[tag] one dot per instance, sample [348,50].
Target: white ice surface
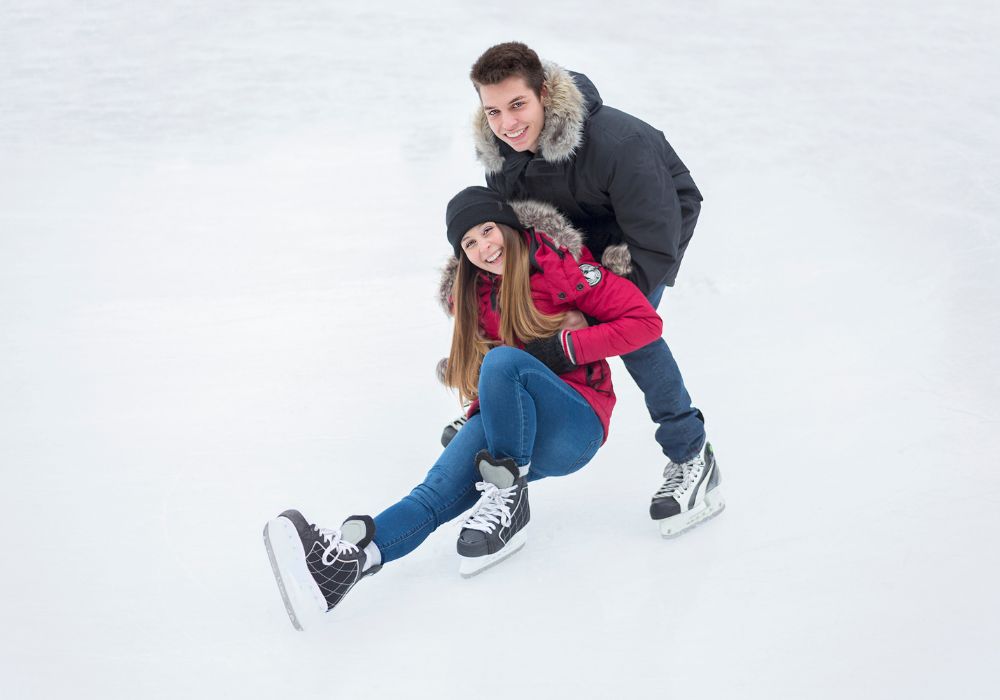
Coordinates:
[220,228]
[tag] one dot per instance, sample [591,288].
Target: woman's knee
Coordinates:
[503,361]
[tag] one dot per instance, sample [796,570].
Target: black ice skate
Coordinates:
[689,495]
[497,525]
[316,568]
[451,430]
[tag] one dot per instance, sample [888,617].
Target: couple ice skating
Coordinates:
[558,264]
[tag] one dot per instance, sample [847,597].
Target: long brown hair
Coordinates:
[520,321]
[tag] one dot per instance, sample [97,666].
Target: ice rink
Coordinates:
[221,226]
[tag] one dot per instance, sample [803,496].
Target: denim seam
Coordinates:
[564,388]
[591,451]
[520,391]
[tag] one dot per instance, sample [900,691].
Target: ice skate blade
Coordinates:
[470,566]
[677,525]
[303,599]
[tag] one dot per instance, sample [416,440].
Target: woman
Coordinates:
[540,403]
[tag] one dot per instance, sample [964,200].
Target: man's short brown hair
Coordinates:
[505,60]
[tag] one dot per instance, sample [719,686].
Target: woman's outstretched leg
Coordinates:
[315,567]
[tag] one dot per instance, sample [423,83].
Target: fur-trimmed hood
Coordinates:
[571,99]
[531,214]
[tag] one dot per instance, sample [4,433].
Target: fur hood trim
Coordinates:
[565,115]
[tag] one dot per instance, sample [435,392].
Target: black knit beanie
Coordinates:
[473,206]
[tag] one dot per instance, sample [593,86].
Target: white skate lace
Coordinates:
[677,478]
[335,542]
[493,507]
[673,477]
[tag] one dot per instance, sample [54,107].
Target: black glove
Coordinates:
[551,353]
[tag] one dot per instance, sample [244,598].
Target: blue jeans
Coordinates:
[681,431]
[526,413]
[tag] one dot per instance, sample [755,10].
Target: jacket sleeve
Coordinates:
[647,210]
[628,321]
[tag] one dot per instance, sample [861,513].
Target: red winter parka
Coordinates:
[561,283]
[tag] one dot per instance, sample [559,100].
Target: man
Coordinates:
[543,133]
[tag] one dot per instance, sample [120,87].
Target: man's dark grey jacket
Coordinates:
[613,175]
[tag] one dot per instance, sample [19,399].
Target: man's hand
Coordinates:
[574,321]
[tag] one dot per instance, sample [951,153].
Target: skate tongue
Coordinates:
[358,530]
[502,473]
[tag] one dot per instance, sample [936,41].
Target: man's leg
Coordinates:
[689,494]
[681,428]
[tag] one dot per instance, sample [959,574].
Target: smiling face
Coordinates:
[514,112]
[483,246]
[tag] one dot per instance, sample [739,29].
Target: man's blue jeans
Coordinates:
[526,413]
[681,431]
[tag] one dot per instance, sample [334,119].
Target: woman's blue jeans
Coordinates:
[526,413]
[681,431]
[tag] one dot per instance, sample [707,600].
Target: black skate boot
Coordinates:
[689,495]
[497,525]
[451,430]
[316,568]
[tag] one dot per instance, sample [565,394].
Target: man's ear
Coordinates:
[545,94]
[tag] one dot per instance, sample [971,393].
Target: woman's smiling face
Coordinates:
[483,246]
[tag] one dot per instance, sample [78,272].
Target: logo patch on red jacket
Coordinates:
[591,273]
